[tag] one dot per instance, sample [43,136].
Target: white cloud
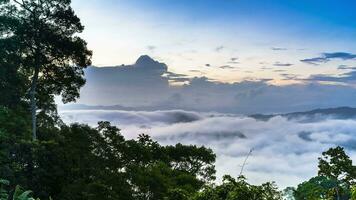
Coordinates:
[284,150]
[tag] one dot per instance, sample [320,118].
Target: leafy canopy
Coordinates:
[42,35]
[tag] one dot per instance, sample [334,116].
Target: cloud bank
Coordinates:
[285,148]
[149,85]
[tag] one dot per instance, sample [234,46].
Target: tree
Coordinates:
[239,189]
[335,177]
[288,193]
[40,38]
[99,163]
[12,80]
[316,188]
[336,165]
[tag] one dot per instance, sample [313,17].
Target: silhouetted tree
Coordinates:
[39,38]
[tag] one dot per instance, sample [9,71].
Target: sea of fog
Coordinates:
[284,150]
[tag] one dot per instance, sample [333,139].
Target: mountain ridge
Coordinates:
[343,112]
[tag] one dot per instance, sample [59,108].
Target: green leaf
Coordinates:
[4,182]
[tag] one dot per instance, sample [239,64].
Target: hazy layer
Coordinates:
[284,150]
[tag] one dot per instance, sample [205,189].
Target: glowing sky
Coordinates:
[225,40]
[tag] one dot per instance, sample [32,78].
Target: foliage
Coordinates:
[336,164]
[39,42]
[92,163]
[18,194]
[336,175]
[236,189]
[288,193]
[314,189]
[43,34]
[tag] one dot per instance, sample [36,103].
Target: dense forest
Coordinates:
[41,57]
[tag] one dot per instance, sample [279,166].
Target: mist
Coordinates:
[285,149]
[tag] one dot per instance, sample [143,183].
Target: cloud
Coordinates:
[341,67]
[148,84]
[285,149]
[266,68]
[287,76]
[340,55]
[326,57]
[314,61]
[176,77]
[226,67]
[219,48]
[349,77]
[151,47]
[233,60]
[279,70]
[132,117]
[278,49]
[197,71]
[279,64]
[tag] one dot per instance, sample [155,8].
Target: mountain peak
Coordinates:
[145,59]
[146,62]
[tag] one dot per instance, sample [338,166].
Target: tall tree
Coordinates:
[41,36]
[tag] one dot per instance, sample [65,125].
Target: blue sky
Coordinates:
[328,12]
[201,37]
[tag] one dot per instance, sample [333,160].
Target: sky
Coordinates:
[193,71]
[224,40]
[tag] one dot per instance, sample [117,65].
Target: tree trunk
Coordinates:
[33,103]
[337,193]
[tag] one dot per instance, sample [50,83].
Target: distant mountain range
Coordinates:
[94,107]
[316,114]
